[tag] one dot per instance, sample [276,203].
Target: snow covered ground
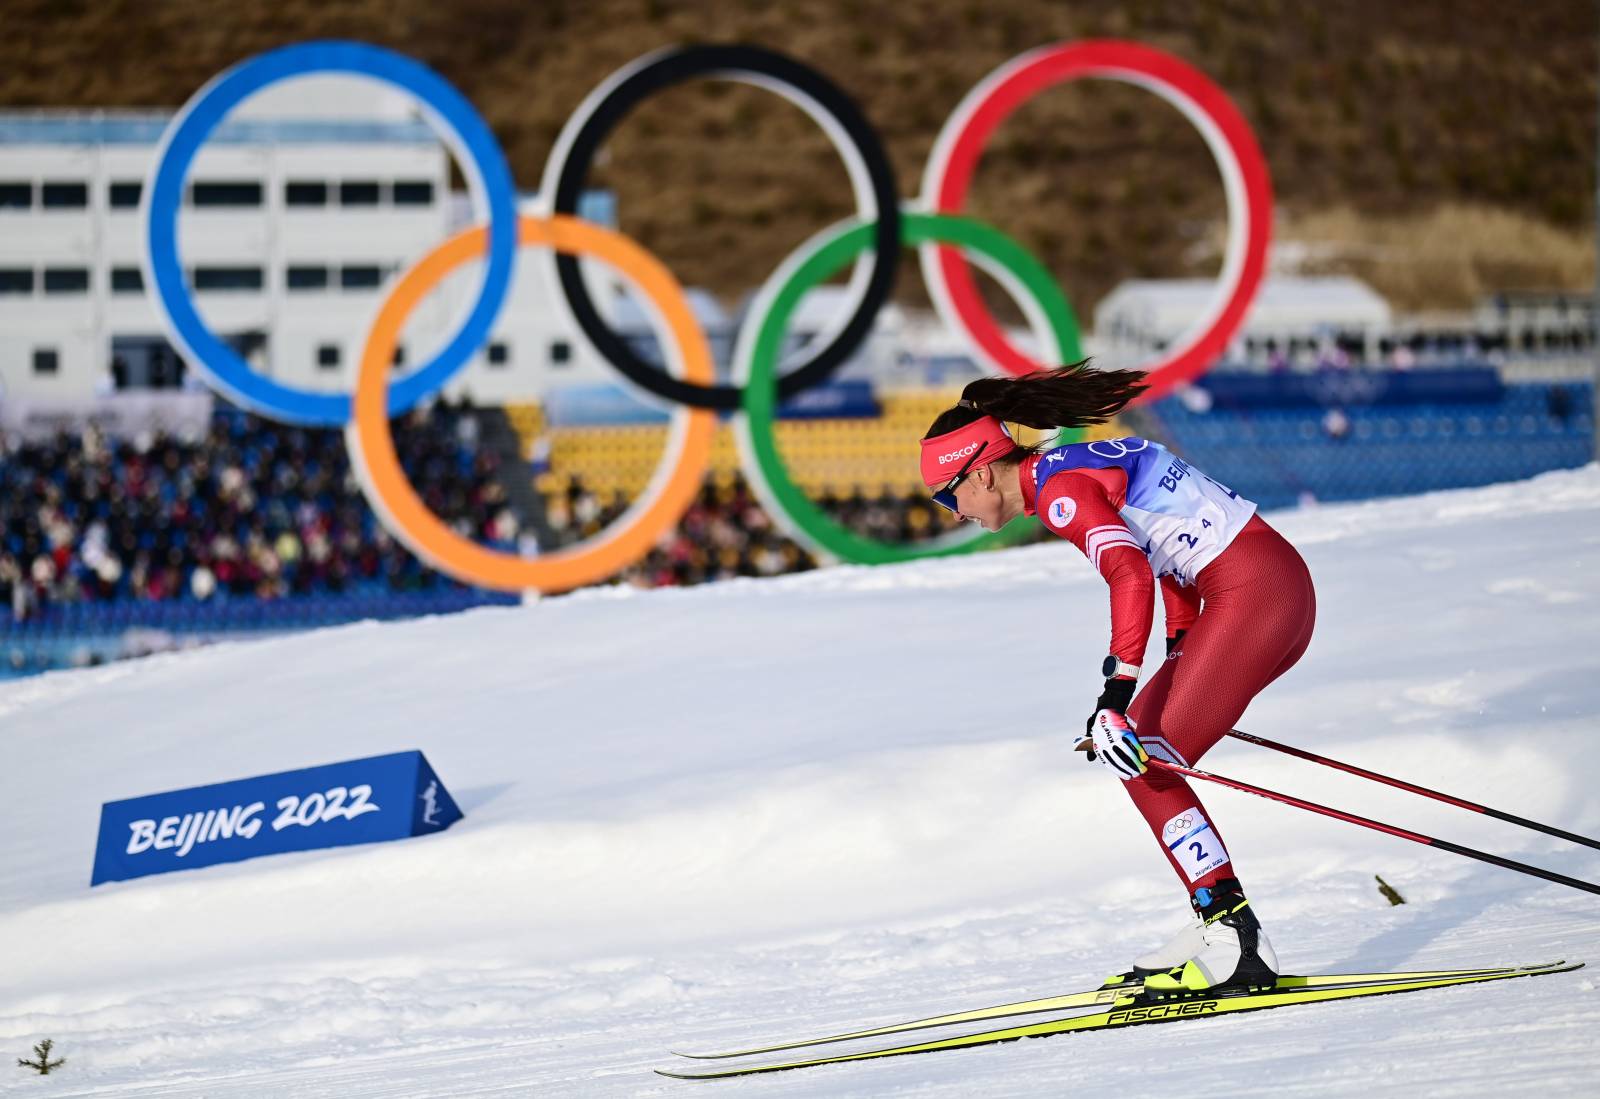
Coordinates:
[764,809]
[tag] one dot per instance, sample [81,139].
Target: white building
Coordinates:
[298,210]
[1143,316]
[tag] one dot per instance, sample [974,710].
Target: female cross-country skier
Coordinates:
[1239,610]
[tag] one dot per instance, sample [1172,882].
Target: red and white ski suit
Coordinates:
[1248,616]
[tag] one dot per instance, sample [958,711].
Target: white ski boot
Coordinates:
[1185,943]
[1234,952]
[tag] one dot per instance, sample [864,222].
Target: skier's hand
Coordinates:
[1116,745]
[1116,696]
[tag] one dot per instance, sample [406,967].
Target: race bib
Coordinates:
[1194,843]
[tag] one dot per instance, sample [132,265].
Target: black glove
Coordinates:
[1175,640]
[1116,696]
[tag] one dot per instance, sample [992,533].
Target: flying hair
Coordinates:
[1076,395]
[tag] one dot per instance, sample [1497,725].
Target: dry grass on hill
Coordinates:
[1465,128]
[1447,257]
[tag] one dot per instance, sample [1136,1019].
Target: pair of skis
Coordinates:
[1128,1006]
[1131,1006]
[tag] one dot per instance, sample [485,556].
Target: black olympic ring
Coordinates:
[673,67]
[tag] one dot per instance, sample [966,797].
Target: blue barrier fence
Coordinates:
[1284,451]
[77,634]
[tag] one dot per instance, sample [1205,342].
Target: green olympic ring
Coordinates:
[756,369]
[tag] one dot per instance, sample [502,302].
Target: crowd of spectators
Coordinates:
[726,532]
[252,509]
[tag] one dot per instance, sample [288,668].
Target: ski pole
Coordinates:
[1378,826]
[1301,753]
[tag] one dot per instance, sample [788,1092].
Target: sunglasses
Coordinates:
[946,496]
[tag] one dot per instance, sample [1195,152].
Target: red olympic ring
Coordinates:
[1244,174]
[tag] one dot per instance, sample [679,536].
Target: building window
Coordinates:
[66,280]
[304,192]
[328,356]
[15,195]
[413,192]
[499,354]
[360,278]
[46,360]
[225,194]
[358,193]
[125,195]
[307,278]
[227,278]
[126,280]
[560,352]
[64,196]
[16,280]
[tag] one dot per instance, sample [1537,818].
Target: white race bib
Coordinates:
[1194,843]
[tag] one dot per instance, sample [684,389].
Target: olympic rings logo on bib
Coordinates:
[1117,448]
[947,243]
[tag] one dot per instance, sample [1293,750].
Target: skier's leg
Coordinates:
[1255,624]
[1177,818]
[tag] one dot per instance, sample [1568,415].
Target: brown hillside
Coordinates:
[1374,115]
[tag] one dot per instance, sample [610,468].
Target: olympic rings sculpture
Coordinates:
[947,243]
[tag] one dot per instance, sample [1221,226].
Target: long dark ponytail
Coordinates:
[1076,395]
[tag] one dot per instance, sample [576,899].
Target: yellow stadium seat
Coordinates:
[838,456]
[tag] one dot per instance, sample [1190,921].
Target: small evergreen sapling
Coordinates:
[43,1064]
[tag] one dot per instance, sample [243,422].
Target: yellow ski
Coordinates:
[1132,1011]
[1094,998]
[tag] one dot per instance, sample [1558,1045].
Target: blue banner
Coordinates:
[1354,388]
[360,801]
[611,405]
[833,401]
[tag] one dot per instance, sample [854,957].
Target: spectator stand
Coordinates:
[114,546]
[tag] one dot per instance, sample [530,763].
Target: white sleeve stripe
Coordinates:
[1098,544]
[1095,557]
[1107,536]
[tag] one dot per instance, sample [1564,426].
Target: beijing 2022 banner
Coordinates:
[359,801]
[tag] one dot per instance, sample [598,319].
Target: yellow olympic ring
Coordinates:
[670,491]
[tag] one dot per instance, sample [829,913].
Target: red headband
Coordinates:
[944,455]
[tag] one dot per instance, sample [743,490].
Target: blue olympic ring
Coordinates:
[469,138]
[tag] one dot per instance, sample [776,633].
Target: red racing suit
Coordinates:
[1248,613]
